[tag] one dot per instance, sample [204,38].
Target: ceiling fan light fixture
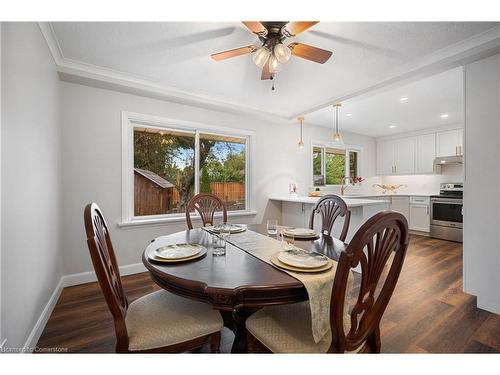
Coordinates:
[274,65]
[282,53]
[260,56]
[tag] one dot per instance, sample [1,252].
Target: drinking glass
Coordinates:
[219,245]
[287,242]
[225,230]
[220,240]
[272,227]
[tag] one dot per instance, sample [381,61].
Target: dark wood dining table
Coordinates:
[237,284]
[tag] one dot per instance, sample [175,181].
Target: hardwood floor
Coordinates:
[428,313]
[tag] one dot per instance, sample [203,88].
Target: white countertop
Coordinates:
[351,202]
[388,195]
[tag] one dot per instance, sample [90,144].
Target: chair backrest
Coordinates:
[383,235]
[330,207]
[206,205]
[106,269]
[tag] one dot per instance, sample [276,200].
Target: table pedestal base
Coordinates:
[235,321]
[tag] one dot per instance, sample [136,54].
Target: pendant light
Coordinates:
[337,138]
[301,141]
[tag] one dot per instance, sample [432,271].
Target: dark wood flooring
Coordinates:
[428,313]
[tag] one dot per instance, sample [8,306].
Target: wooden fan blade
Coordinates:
[266,74]
[255,27]
[295,28]
[232,53]
[310,53]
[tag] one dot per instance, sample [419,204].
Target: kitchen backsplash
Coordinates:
[426,184]
[416,184]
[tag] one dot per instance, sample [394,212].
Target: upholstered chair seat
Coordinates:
[162,319]
[287,329]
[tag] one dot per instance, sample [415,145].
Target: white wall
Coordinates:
[92,160]
[31,180]
[482,183]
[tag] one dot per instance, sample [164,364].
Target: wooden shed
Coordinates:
[152,193]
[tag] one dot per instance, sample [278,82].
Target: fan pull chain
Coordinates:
[273,80]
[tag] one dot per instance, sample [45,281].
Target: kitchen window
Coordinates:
[330,165]
[167,162]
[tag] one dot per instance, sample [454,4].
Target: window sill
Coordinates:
[176,219]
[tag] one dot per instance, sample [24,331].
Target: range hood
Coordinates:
[448,160]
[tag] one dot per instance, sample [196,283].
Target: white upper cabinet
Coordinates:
[416,154]
[385,157]
[404,156]
[396,156]
[425,152]
[449,142]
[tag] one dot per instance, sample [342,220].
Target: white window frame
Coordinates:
[347,148]
[131,120]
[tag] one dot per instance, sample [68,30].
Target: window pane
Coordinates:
[163,171]
[334,166]
[222,169]
[353,164]
[317,175]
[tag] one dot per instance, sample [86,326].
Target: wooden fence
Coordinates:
[227,191]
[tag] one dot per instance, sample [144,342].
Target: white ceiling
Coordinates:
[428,99]
[176,56]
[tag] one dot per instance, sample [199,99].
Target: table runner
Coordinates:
[318,285]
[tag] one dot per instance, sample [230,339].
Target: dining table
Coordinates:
[237,283]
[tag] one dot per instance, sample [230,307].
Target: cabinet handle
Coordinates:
[460,149]
[456,150]
[427,210]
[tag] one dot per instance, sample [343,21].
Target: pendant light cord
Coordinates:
[336,119]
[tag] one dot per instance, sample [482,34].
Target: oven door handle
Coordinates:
[449,201]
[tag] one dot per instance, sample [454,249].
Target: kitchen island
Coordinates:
[296,211]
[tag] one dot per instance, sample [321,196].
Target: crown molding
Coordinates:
[91,75]
[477,47]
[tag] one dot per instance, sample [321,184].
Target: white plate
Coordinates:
[235,228]
[300,232]
[178,251]
[302,259]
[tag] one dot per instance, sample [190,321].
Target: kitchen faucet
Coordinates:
[344,185]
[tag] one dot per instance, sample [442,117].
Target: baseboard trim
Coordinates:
[419,233]
[88,277]
[36,332]
[65,281]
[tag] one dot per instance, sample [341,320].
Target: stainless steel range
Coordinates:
[447,212]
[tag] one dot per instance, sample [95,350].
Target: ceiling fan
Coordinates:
[272,54]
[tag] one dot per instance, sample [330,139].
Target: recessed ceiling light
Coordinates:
[444,115]
[392,126]
[403,99]
[348,115]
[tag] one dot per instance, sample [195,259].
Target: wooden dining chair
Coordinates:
[157,322]
[330,207]
[379,248]
[206,205]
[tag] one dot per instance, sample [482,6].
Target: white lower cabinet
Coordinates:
[419,214]
[401,205]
